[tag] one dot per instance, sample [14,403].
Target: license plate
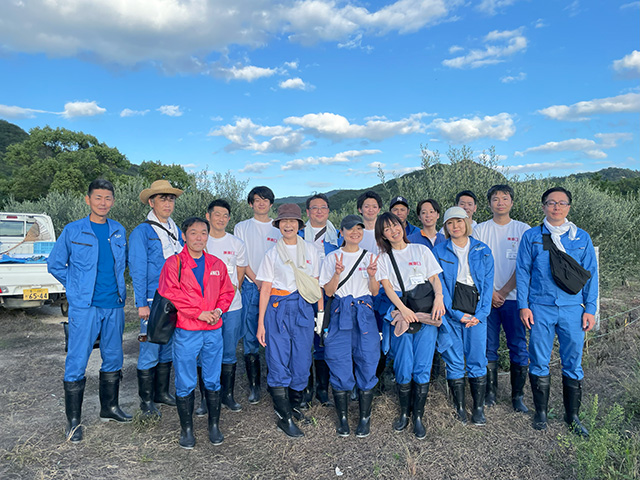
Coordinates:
[35,294]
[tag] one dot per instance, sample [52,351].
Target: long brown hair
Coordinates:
[387,218]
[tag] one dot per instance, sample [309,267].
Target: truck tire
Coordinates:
[64,308]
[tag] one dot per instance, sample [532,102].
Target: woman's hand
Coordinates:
[260,335]
[469,320]
[339,265]
[438,309]
[372,269]
[409,315]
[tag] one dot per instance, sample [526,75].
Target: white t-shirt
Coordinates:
[504,241]
[258,237]
[358,284]
[415,262]
[369,241]
[274,270]
[464,273]
[231,251]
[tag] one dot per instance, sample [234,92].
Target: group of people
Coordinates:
[331,306]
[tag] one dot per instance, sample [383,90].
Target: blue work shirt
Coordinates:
[422,240]
[411,229]
[105,294]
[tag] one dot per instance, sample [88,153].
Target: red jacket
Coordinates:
[186,295]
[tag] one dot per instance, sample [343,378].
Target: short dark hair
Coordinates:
[101,184]
[262,192]
[320,196]
[466,193]
[556,189]
[161,195]
[499,188]
[434,204]
[219,202]
[381,223]
[368,194]
[192,220]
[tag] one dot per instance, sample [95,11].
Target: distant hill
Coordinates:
[9,134]
[611,174]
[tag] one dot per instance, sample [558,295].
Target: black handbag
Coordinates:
[568,274]
[465,298]
[163,316]
[419,299]
[329,300]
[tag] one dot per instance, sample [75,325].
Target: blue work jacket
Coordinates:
[411,229]
[74,260]
[145,262]
[417,237]
[533,271]
[328,247]
[481,268]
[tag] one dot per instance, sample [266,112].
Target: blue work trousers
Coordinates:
[231,333]
[288,325]
[352,343]
[250,303]
[507,316]
[414,354]
[468,344]
[84,326]
[566,322]
[188,345]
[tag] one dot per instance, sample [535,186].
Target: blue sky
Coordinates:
[313,95]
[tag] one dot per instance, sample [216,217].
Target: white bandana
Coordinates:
[556,232]
[169,245]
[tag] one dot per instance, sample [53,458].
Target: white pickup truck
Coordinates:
[24,279]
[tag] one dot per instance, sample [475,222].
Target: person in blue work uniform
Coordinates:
[352,338]
[89,259]
[289,274]
[547,310]
[323,235]
[428,212]
[150,243]
[399,206]
[413,352]
[467,281]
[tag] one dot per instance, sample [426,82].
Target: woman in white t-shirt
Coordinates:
[413,352]
[352,342]
[286,319]
[467,282]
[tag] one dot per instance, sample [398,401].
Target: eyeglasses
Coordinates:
[318,209]
[551,204]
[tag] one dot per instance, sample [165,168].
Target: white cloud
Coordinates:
[627,103]
[630,5]
[540,167]
[573,8]
[342,157]
[189,165]
[609,140]
[256,167]
[540,23]
[337,127]
[244,134]
[355,42]
[629,64]
[127,112]
[319,184]
[82,109]
[248,73]
[490,7]
[499,45]
[295,84]
[291,65]
[589,148]
[13,111]
[497,127]
[514,78]
[170,110]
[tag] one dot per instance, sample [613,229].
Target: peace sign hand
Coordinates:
[373,266]
[339,264]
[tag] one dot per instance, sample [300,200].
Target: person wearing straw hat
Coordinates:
[289,275]
[89,259]
[150,244]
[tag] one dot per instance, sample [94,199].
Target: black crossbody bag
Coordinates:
[568,274]
[163,316]
[465,298]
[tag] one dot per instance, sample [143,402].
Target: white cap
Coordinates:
[454,212]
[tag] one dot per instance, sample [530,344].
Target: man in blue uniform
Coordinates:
[89,259]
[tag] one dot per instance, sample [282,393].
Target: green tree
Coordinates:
[152,171]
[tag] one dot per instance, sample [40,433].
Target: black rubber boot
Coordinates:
[282,407]
[322,383]
[109,389]
[161,387]
[420,392]
[341,399]
[380,387]
[213,405]
[364,424]
[308,390]
[572,397]
[478,387]
[185,412]
[456,386]
[252,363]
[73,395]
[435,366]
[227,384]
[518,379]
[540,388]
[298,405]
[404,398]
[202,409]
[145,390]
[492,384]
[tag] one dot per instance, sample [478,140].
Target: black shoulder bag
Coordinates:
[157,224]
[419,299]
[568,274]
[329,301]
[163,316]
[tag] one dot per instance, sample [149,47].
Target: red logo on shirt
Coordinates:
[513,239]
[414,264]
[308,262]
[269,239]
[229,252]
[215,272]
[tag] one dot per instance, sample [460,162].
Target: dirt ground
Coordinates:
[32,443]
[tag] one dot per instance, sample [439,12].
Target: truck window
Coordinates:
[11,228]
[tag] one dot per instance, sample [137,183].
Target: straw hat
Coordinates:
[159,187]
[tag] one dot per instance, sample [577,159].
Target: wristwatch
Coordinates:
[219,310]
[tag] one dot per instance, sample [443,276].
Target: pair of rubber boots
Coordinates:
[412,398]
[185,407]
[109,407]
[321,384]
[341,399]
[518,379]
[287,404]
[478,387]
[153,388]
[227,385]
[572,399]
